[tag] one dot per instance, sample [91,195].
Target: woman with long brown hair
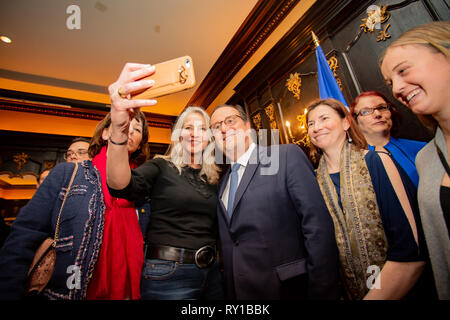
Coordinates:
[373,216]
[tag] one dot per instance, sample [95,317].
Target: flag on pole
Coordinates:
[328,87]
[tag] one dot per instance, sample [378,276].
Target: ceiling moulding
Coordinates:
[20,76]
[259,24]
[66,110]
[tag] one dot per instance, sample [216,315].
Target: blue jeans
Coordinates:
[169,280]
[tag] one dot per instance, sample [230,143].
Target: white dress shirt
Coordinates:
[243,161]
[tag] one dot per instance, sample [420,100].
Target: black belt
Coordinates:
[202,257]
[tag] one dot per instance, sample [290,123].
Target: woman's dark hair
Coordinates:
[139,156]
[395,114]
[353,131]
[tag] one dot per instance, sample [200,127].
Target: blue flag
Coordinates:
[328,87]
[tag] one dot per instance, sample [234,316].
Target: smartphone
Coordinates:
[170,76]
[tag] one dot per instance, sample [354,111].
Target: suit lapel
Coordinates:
[222,186]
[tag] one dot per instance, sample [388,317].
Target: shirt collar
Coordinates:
[243,160]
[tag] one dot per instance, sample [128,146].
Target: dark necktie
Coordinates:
[233,186]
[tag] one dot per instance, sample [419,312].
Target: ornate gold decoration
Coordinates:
[270,112]
[20,159]
[49,164]
[333,63]
[293,84]
[375,17]
[305,138]
[257,121]
[383,35]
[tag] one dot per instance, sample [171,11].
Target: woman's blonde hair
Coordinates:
[434,35]
[175,151]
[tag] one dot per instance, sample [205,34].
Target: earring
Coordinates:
[349,139]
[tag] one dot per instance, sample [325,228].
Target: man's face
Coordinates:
[77,152]
[230,132]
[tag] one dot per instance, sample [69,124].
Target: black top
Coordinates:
[183,207]
[445,205]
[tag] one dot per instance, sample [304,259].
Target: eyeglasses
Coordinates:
[78,153]
[368,111]
[228,121]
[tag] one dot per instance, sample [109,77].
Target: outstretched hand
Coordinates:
[129,81]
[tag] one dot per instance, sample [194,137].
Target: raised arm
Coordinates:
[122,112]
[397,278]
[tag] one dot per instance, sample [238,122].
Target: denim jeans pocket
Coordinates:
[156,269]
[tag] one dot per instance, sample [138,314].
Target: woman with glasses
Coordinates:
[379,121]
[417,68]
[373,212]
[99,252]
[181,247]
[78,150]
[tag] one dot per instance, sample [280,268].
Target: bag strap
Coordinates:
[64,201]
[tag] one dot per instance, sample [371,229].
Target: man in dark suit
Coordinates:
[276,233]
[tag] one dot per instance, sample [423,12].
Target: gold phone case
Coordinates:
[170,76]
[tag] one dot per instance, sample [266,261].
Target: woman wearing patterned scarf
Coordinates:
[372,211]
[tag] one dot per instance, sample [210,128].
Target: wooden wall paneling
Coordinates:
[43,150]
[290,105]
[10,208]
[438,9]
[292,48]
[252,103]
[336,23]
[364,54]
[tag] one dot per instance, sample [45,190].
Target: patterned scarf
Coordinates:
[358,228]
